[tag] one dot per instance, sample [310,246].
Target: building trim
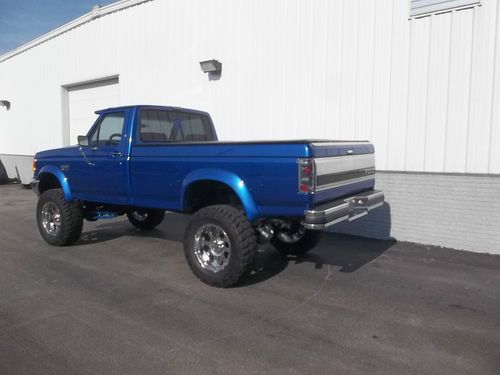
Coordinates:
[439,6]
[90,16]
[113,77]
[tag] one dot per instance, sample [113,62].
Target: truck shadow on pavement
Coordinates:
[172,229]
[347,253]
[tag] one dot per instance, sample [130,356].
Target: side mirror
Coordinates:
[83,140]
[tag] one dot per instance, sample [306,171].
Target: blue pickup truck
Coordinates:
[140,161]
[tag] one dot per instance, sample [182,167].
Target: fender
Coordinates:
[228,178]
[63,180]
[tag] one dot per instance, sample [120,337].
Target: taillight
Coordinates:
[306,175]
[33,166]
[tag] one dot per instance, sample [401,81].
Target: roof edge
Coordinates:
[93,14]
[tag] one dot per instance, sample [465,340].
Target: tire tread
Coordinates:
[246,236]
[71,216]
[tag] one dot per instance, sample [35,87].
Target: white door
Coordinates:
[85,99]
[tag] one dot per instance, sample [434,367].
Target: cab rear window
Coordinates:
[174,126]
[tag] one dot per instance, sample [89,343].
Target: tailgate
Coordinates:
[343,168]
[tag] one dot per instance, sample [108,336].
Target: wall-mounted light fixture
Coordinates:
[5,103]
[211,66]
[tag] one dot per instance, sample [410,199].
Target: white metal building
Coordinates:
[419,78]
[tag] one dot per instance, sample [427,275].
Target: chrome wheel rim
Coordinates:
[212,248]
[138,216]
[51,218]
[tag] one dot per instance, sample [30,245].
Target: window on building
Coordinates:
[421,7]
[174,126]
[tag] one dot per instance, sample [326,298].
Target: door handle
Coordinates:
[116,154]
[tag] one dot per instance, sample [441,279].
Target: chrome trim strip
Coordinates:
[327,211]
[352,218]
[326,225]
[336,164]
[376,205]
[347,182]
[375,195]
[331,178]
[342,143]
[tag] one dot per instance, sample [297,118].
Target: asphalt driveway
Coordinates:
[122,301]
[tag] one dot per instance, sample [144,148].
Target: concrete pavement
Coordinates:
[122,301]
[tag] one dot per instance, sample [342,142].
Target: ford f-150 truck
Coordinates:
[140,161]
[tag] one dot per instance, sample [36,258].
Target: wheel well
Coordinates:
[206,193]
[47,181]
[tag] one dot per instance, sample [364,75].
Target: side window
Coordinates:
[195,130]
[109,131]
[155,126]
[174,126]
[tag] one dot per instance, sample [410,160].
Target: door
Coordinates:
[108,167]
[85,99]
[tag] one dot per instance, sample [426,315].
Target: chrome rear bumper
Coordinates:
[350,208]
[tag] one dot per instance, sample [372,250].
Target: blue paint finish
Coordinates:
[236,183]
[108,177]
[263,174]
[63,181]
[254,149]
[158,175]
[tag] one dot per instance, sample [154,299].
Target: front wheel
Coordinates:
[146,219]
[220,245]
[59,222]
[296,240]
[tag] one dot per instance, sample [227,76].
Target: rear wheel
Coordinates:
[146,219]
[295,239]
[220,245]
[59,222]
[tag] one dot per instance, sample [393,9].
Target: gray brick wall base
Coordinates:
[457,211]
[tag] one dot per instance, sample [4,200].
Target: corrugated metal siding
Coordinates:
[419,7]
[425,90]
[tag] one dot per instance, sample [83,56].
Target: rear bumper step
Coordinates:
[350,208]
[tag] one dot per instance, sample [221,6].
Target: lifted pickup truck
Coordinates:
[140,161]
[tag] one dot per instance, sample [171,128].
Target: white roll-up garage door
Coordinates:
[87,98]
